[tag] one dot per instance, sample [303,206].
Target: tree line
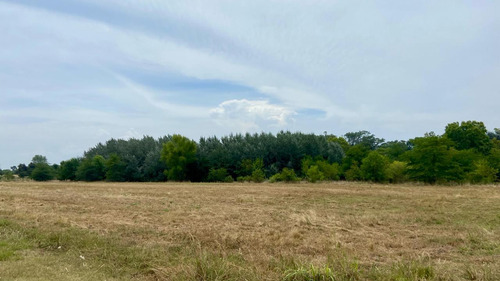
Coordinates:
[465,153]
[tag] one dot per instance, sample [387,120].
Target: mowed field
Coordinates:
[243,231]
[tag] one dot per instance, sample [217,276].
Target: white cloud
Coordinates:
[251,115]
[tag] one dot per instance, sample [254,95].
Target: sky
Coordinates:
[74,73]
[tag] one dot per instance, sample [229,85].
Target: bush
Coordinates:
[258,176]
[313,174]
[218,175]
[322,170]
[353,174]
[7,175]
[482,173]
[286,175]
[396,172]
[42,172]
[374,167]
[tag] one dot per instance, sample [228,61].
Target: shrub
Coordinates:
[353,174]
[374,167]
[396,172]
[7,175]
[258,175]
[42,172]
[286,175]
[482,173]
[313,174]
[219,175]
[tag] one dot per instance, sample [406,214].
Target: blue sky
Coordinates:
[77,72]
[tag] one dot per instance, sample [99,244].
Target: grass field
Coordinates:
[176,231]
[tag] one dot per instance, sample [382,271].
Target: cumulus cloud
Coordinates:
[251,115]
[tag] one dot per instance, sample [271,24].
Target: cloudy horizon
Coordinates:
[78,72]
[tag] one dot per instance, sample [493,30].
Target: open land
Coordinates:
[243,231]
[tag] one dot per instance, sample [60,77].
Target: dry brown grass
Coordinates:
[456,230]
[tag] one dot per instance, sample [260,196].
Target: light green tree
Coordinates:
[374,167]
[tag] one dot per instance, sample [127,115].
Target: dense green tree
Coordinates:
[314,174]
[469,135]
[394,149]
[92,169]
[67,169]
[353,173]
[286,175]
[374,167]
[39,159]
[219,175]
[494,160]
[115,168]
[340,141]
[363,138]
[178,154]
[354,156]
[430,160]
[495,134]
[42,172]
[396,172]
[482,173]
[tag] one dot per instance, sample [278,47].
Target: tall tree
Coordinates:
[115,168]
[178,154]
[469,135]
[430,160]
[91,169]
[67,170]
[374,167]
[364,138]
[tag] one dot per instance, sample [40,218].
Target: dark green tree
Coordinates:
[394,149]
[363,138]
[67,169]
[115,168]
[179,154]
[430,160]
[91,169]
[42,172]
[469,135]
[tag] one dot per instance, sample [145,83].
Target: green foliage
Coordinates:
[482,173]
[178,154]
[353,173]
[42,172]
[311,273]
[286,175]
[313,174]
[374,167]
[141,156]
[340,141]
[364,138]
[469,135]
[430,160]
[258,175]
[396,172]
[322,170]
[67,169]
[92,169]
[494,160]
[252,170]
[394,149]
[7,175]
[218,175]
[115,168]
[39,159]
[354,156]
